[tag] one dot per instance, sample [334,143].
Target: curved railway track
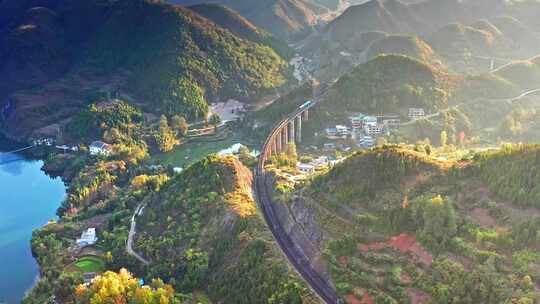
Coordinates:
[294,254]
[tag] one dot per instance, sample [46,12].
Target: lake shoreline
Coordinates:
[32,200]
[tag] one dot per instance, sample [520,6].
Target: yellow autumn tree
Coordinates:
[122,287]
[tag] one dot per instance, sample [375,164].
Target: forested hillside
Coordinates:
[390,84]
[204,230]
[401,227]
[167,59]
[286,19]
[200,230]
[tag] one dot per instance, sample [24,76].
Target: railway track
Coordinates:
[322,287]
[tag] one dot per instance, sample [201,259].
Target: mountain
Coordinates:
[368,17]
[164,58]
[399,226]
[400,44]
[240,26]
[425,17]
[286,19]
[390,84]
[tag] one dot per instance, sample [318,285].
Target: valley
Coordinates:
[298,151]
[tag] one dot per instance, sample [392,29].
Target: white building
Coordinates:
[357,120]
[416,113]
[88,238]
[373,129]
[305,168]
[366,142]
[99,148]
[342,130]
[331,132]
[370,120]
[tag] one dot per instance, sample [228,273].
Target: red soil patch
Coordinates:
[403,243]
[366,299]
[343,260]
[482,216]
[351,299]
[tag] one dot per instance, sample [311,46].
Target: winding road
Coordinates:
[510,100]
[132,230]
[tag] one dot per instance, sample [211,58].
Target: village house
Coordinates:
[416,113]
[366,142]
[369,120]
[392,123]
[305,168]
[373,129]
[329,146]
[338,131]
[320,162]
[88,238]
[357,120]
[331,132]
[99,148]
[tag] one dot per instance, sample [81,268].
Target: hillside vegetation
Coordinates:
[390,84]
[525,73]
[286,19]
[203,229]
[401,227]
[166,58]
[404,45]
[200,230]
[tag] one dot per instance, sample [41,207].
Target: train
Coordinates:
[306,104]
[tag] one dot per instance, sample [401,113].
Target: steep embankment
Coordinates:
[400,227]
[166,58]
[203,229]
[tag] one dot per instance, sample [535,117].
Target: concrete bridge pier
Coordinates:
[279,142]
[298,131]
[305,115]
[284,137]
[292,130]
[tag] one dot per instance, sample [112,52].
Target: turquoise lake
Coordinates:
[28,200]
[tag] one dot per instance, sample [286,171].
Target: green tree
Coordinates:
[165,137]
[444,138]
[214,120]
[439,222]
[291,153]
[179,125]
[186,98]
